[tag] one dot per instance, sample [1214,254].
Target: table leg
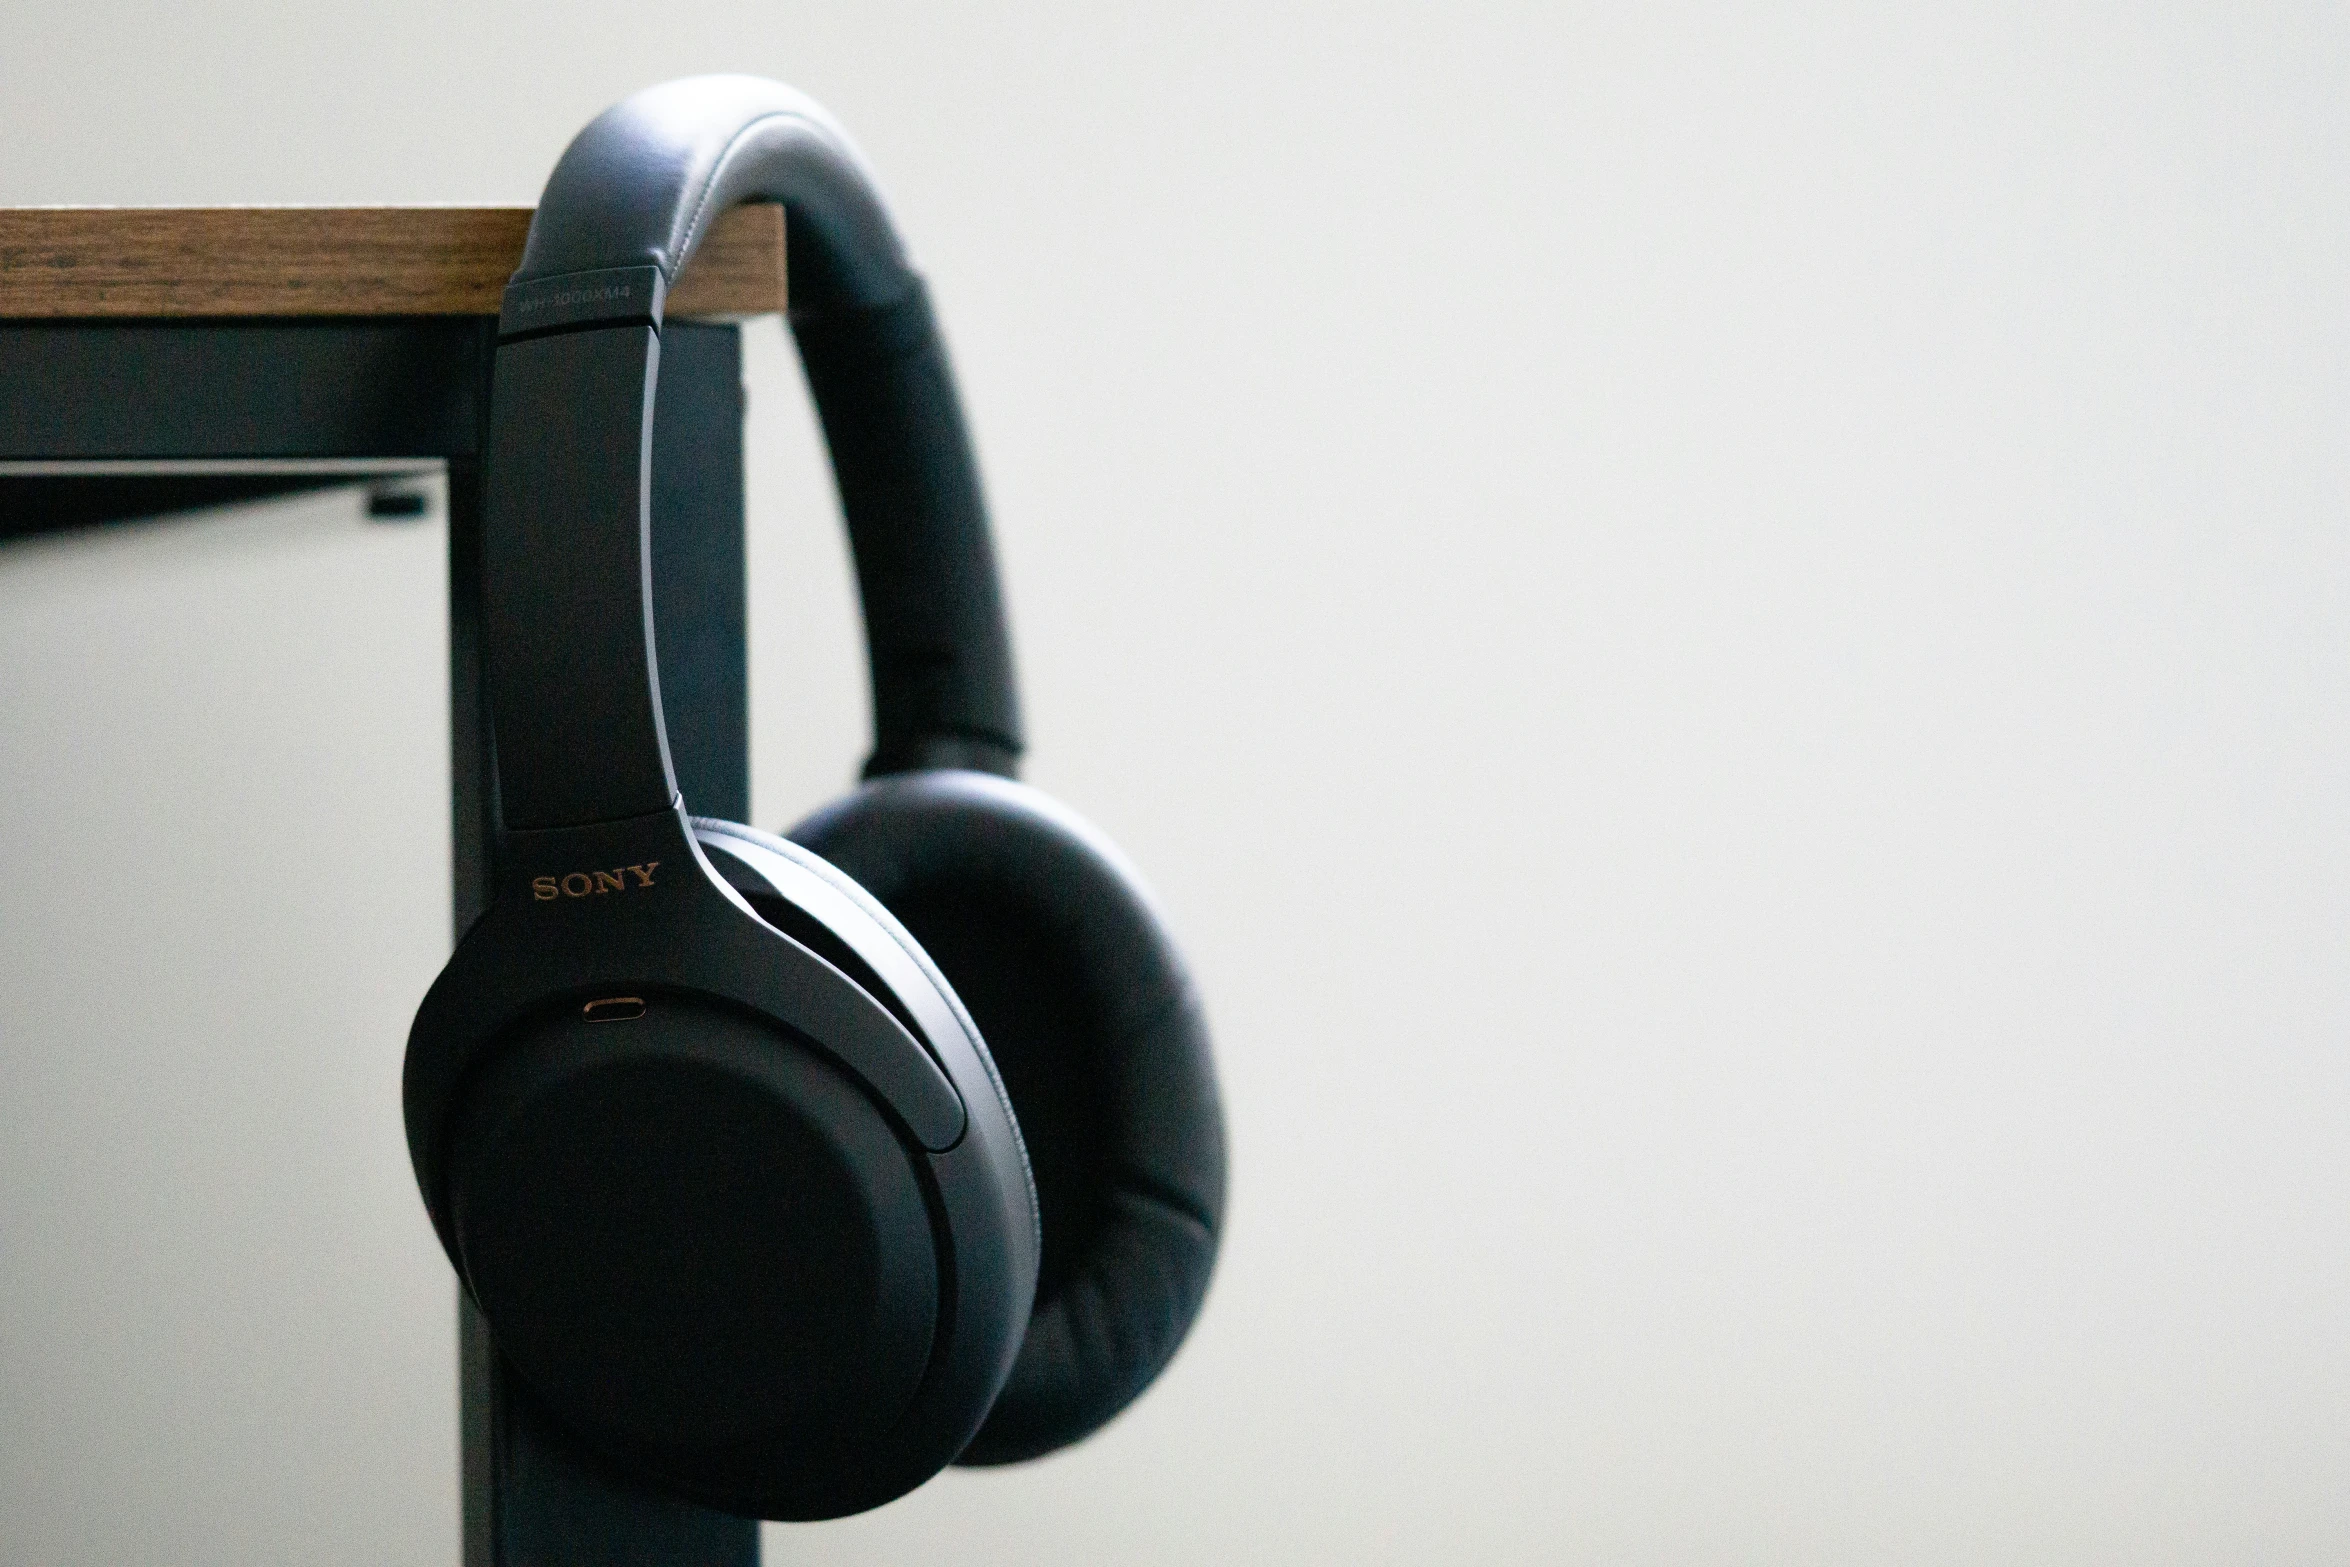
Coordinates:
[531,1500]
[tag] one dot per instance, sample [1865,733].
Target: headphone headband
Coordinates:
[567,629]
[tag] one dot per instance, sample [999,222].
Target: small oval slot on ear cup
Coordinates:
[613,1009]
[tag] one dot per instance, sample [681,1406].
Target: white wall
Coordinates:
[1724,632]
[225,1337]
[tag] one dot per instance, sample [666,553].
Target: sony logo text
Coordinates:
[589,884]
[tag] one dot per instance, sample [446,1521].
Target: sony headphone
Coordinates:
[723,1131]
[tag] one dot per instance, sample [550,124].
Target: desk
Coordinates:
[153,360]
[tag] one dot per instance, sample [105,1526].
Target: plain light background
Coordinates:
[1723,628]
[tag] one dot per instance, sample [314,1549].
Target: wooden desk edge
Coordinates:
[101,262]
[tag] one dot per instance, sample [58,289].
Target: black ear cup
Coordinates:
[823,908]
[1049,939]
[748,1216]
[686,1229]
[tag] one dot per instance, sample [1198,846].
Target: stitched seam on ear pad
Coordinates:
[1151,1189]
[1126,1175]
[849,887]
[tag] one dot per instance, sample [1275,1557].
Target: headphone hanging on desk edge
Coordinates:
[699,1113]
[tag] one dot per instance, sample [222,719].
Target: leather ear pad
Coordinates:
[1048,937]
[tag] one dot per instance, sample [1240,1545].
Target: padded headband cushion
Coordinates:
[1052,943]
[565,631]
[641,185]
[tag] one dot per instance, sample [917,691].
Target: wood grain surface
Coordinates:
[328,261]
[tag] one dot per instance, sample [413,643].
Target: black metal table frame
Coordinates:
[104,421]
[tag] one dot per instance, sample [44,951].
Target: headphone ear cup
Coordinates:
[754,862]
[984,1208]
[1051,941]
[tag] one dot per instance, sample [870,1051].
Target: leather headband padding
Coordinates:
[639,188]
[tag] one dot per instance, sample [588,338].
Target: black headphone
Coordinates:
[708,1120]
